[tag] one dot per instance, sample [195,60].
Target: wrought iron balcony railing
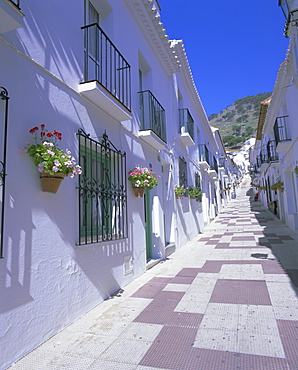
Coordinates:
[281,130]
[203,153]
[105,64]
[186,122]
[152,115]
[271,150]
[221,162]
[16,2]
[213,163]
[264,156]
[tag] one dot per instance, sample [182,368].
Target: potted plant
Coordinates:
[279,185]
[140,179]
[195,193]
[52,163]
[179,191]
[296,170]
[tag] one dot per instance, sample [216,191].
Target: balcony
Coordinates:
[282,137]
[213,171]
[186,127]
[222,162]
[203,156]
[153,122]
[11,17]
[264,159]
[107,77]
[272,155]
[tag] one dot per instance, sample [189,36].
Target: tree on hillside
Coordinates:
[236,130]
[249,131]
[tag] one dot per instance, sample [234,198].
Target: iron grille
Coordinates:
[183,181]
[271,150]
[186,122]
[213,163]
[197,180]
[3,125]
[105,64]
[102,190]
[264,156]
[203,153]
[280,129]
[152,115]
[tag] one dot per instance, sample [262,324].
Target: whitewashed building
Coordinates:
[122,95]
[275,154]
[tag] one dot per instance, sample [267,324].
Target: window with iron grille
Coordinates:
[102,191]
[183,173]
[197,180]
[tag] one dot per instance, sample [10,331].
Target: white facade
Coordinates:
[48,278]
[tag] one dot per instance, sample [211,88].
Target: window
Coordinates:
[183,173]
[102,191]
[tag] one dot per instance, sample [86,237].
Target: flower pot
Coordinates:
[50,183]
[138,192]
[179,196]
[281,189]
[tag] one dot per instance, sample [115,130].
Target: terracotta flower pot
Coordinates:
[138,192]
[50,183]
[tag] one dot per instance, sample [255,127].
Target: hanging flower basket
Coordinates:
[195,193]
[50,183]
[179,191]
[140,179]
[139,192]
[52,163]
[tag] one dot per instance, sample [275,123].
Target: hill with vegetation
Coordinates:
[238,122]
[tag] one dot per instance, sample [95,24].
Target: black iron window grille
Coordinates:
[258,160]
[186,122]
[152,115]
[197,180]
[271,150]
[281,130]
[105,64]
[183,181]
[203,153]
[102,191]
[3,143]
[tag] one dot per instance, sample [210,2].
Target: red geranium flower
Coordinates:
[34,129]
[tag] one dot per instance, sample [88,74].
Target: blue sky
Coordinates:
[234,47]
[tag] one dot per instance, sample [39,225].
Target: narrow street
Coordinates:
[227,300]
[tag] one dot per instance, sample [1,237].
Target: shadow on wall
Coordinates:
[15,267]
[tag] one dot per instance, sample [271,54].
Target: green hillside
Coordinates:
[238,122]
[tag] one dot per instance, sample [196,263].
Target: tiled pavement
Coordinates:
[227,300]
